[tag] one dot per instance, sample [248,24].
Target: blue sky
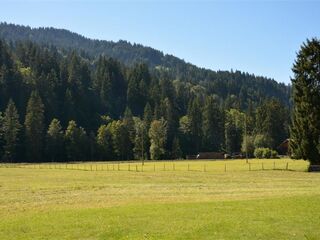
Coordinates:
[260,37]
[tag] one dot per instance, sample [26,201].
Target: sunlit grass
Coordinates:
[164,200]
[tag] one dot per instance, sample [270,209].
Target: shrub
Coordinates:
[258,152]
[265,153]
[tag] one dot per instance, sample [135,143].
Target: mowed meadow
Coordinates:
[266,199]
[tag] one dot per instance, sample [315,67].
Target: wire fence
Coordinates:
[173,166]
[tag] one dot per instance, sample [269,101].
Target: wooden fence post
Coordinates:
[274,165]
[287,166]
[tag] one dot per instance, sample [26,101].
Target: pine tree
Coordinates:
[234,125]
[213,125]
[271,121]
[176,150]
[34,127]
[10,129]
[195,117]
[137,92]
[147,115]
[305,130]
[55,141]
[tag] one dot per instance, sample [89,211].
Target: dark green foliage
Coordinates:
[305,130]
[110,86]
[138,83]
[234,126]
[185,135]
[116,102]
[10,129]
[34,128]
[213,125]
[176,150]
[272,121]
[195,118]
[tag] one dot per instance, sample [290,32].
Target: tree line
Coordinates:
[58,105]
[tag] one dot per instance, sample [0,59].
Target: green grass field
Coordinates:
[164,200]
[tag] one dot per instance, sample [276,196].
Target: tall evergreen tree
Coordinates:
[10,129]
[234,125]
[195,117]
[34,127]
[213,125]
[55,141]
[147,115]
[305,130]
[176,150]
[271,121]
[137,93]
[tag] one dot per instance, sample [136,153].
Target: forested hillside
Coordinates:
[223,83]
[73,98]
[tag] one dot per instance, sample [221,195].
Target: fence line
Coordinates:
[220,167]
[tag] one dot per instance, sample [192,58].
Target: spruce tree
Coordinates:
[55,141]
[213,125]
[34,127]
[305,130]
[147,115]
[10,129]
[195,117]
[176,150]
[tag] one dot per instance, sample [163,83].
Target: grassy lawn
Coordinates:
[164,200]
